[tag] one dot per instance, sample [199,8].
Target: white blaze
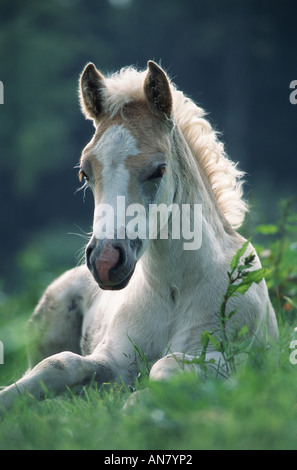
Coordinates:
[112,150]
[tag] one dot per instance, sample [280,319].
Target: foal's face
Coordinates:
[127,164]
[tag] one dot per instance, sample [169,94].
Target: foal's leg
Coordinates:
[56,323]
[55,373]
[175,363]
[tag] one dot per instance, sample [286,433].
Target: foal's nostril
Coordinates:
[122,255]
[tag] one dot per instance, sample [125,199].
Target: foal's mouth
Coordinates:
[121,285]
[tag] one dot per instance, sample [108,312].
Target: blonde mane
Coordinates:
[225,179]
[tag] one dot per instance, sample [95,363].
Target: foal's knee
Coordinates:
[162,369]
[173,364]
[168,366]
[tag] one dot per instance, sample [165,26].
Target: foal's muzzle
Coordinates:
[112,262]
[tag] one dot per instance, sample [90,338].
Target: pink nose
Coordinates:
[107,260]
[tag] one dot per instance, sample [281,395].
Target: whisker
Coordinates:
[80,256]
[83,234]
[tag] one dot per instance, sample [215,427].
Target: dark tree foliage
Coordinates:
[235,58]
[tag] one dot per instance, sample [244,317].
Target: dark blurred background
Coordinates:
[235,58]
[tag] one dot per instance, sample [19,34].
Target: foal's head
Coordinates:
[127,164]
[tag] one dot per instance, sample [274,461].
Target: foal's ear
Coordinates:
[91,91]
[157,90]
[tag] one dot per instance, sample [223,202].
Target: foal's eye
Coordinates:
[158,172]
[82,175]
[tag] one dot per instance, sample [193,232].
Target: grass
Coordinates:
[255,409]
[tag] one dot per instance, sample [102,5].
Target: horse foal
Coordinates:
[152,146]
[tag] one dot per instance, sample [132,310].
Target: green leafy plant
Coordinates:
[278,250]
[240,279]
